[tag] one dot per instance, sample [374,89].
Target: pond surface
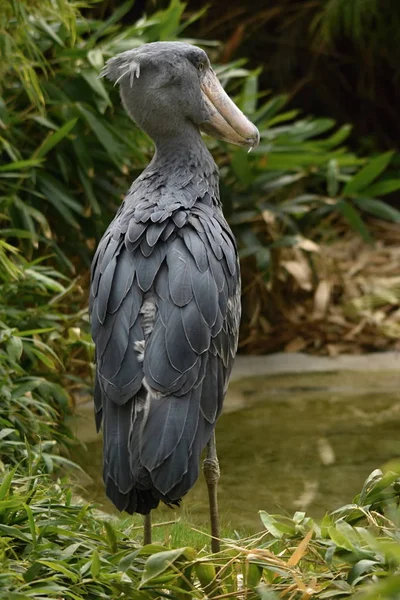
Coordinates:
[285,443]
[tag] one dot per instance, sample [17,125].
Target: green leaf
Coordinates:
[60,198]
[14,532]
[340,539]
[45,359]
[95,565]
[352,216]
[48,282]
[270,524]
[332,178]
[15,348]
[112,538]
[248,97]
[54,138]
[367,174]
[381,188]
[378,209]
[6,483]
[59,567]
[21,164]
[106,139]
[241,166]
[337,138]
[116,16]
[91,78]
[50,31]
[157,563]
[270,108]
[361,567]
[31,520]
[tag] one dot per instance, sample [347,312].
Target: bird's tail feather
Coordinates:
[152,447]
[119,483]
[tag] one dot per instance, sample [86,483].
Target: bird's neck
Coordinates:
[181,157]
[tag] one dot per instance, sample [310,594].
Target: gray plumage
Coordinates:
[164,298]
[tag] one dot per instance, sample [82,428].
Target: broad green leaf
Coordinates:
[95,566]
[361,567]
[127,560]
[352,216]
[157,563]
[270,524]
[15,348]
[367,174]
[340,539]
[379,209]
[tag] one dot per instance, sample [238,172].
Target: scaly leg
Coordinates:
[147,529]
[211,475]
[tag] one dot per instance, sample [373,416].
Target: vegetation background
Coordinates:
[315,212]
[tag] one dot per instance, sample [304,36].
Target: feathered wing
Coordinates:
[159,412]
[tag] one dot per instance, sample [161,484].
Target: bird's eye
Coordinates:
[200,66]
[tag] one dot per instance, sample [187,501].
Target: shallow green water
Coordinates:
[301,442]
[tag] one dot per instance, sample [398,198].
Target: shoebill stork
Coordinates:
[165,286]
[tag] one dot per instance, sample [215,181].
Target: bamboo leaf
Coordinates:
[54,138]
[367,174]
[15,348]
[95,565]
[91,78]
[21,164]
[43,358]
[6,483]
[379,209]
[381,188]
[354,219]
[157,563]
[106,139]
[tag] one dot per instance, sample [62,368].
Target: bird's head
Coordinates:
[165,84]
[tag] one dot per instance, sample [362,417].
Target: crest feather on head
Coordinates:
[123,64]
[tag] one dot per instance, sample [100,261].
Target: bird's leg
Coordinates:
[211,475]
[147,529]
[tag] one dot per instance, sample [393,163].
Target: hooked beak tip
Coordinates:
[254,141]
